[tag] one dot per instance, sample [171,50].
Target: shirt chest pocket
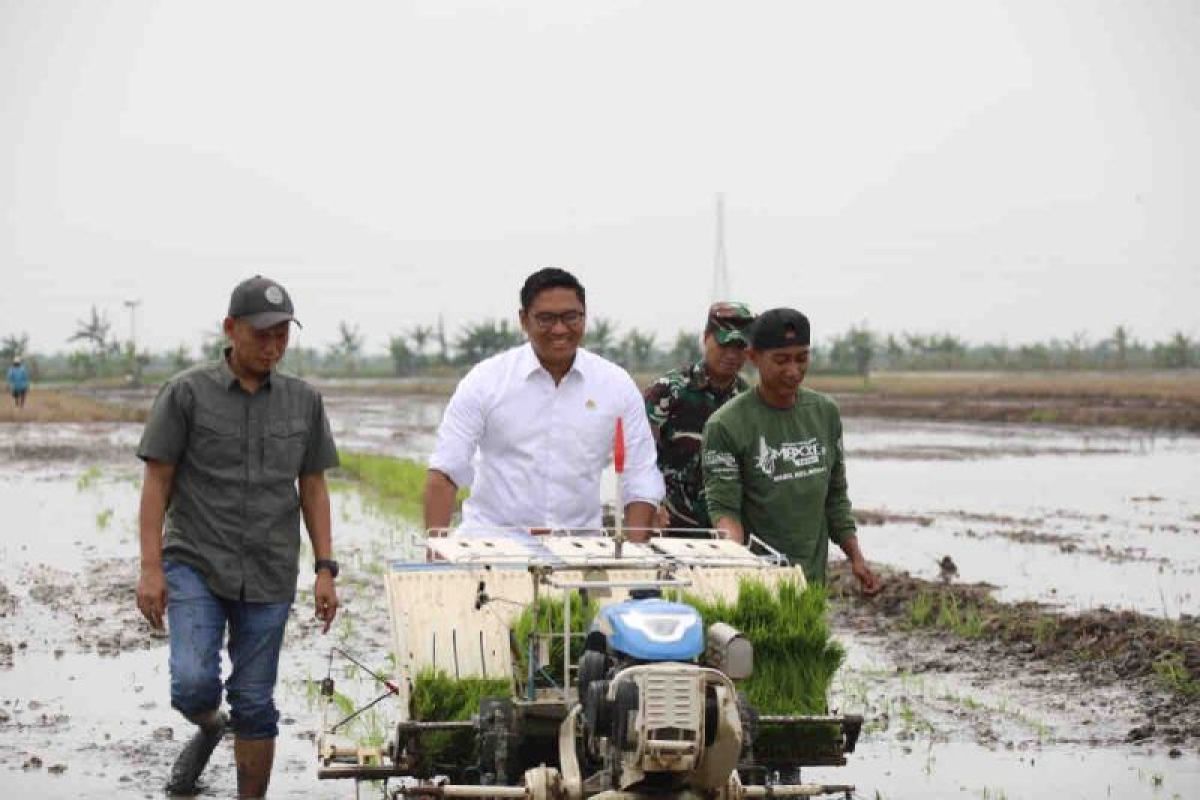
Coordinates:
[216,442]
[284,445]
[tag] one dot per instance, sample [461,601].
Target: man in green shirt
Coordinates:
[773,457]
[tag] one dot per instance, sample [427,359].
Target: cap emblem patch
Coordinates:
[274,295]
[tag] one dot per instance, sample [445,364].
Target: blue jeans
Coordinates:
[197,620]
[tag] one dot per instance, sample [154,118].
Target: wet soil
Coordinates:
[1150,663]
[1132,412]
[77,622]
[1159,401]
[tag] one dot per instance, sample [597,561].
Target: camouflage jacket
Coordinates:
[678,404]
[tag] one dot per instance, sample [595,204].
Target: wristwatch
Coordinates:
[326,563]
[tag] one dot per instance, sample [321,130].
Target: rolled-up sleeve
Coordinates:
[458,435]
[642,481]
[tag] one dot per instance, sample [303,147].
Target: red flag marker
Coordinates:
[619,447]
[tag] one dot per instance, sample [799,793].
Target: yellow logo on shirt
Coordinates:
[590,404]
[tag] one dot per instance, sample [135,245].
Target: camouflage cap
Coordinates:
[727,322]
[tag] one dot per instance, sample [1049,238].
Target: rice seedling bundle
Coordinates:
[549,620]
[795,660]
[795,657]
[437,697]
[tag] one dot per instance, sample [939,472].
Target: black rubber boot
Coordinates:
[194,757]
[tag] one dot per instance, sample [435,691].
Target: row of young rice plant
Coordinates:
[795,656]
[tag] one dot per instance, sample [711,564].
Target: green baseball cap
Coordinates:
[727,322]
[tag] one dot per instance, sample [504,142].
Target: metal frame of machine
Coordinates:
[618,727]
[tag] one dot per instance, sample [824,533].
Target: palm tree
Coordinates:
[861,343]
[637,348]
[1120,340]
[686,349]
[420,335]
[94,331]
[181,359]
[601,336]
[403,358]
[13,345]
[348,346]
[484,339]
[1175,353]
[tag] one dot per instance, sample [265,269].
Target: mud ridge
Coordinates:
[1155,663]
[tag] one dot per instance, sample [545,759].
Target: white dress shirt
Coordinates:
[533,452]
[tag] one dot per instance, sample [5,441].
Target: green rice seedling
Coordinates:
[1045,629]
[948,616]
[89,478]
[396,484]
[346,629]
[343,703]
[438,697]
[795,656]
[920,611]
[547,624]
[970,624]
[963,620]
[104,518]
[1174,675]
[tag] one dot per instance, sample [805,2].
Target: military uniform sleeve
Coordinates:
[642,480]
[722,472]
[838,514]
[321,453]
[165,436]
[658,402]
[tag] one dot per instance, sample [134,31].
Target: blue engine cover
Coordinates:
[653,630]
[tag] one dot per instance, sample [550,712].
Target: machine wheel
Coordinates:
[597,711]
[593,666]
[749,719]
[625,703]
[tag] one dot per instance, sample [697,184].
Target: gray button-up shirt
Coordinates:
[234,510]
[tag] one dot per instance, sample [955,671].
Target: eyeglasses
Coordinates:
[546,320]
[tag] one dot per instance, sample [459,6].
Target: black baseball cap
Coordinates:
[262,302]
[779,327]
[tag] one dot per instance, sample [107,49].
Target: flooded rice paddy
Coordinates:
[1071,517]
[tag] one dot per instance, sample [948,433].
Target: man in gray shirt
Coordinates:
[234,454]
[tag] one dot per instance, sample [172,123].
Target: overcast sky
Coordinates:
[1000,171]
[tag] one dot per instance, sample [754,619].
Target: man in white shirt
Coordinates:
[530,430]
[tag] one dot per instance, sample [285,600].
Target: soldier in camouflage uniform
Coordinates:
[680,402]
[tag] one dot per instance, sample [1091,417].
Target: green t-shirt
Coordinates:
[780,473]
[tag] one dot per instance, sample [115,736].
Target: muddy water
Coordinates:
[1054,515]
[1076,519]
[84,708]
[987,734]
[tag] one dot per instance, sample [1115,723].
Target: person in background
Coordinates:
[680,402]
[530,430]
[773,463]
[18,381]
[235,454]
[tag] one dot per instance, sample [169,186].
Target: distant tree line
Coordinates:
[861,350]
[428,349]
